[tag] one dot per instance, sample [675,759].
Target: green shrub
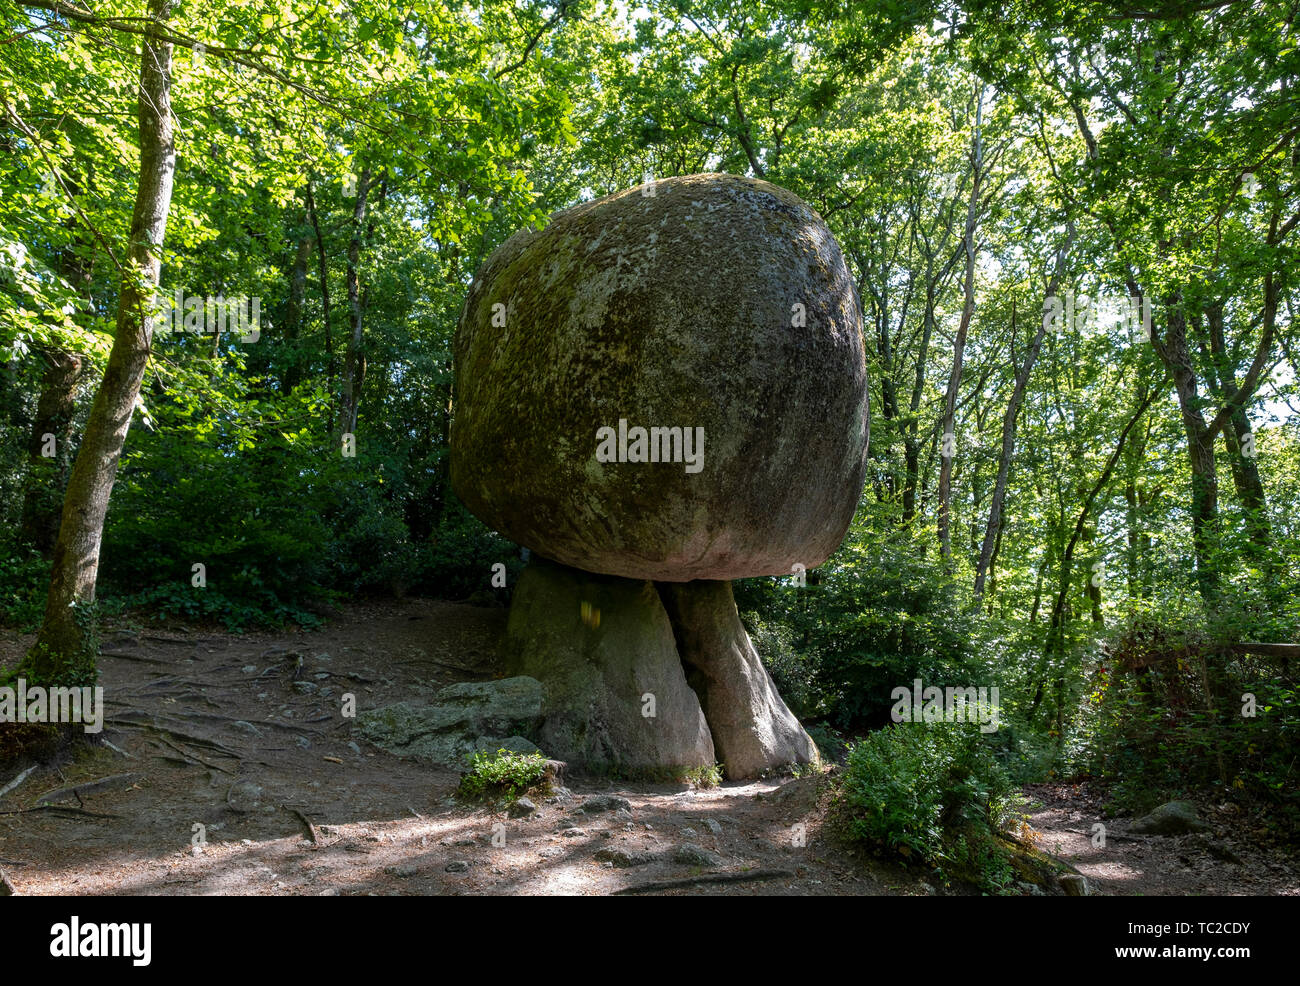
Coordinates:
[1158,729]
[930,792]
[708,776]
[830,742]
[875,616]
[462,554]
[24,584]
[501,775]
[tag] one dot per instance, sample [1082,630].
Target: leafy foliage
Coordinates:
[501,775]
[931,793]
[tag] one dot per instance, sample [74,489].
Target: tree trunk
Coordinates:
[292,373]
[947,434]
[47,475]
[1200,451]
[994,528]
[65,649]
[324,300]
[911,436]
[354,365]
[1056,627]
[1241,453]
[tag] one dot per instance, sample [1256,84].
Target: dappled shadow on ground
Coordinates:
[238,744]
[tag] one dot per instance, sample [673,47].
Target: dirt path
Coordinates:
[242,735]
[251,733]
[1225,861]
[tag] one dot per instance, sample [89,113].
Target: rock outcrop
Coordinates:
[463,719]
[752,729]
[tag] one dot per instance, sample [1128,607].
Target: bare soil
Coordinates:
[233,771]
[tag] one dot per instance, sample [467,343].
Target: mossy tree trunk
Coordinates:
[65,650]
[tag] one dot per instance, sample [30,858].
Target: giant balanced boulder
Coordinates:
[661,391]
[710,335]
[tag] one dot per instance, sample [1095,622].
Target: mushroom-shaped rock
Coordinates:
[667,383]
[666,387]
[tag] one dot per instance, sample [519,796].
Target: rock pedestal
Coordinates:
[642,677]
[615,695]
[753,730]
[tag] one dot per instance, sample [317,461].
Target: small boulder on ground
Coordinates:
[689,854]
[1172,818]
[623,858]
[521,808]
[1074,885]
[606,802]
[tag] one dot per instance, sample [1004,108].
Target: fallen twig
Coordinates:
[16,781]
[135,657]
[118,749]
[311,829]
[110,783]
[62,809]
[192,738]
[188,754]
[1110,836]
[745,877]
